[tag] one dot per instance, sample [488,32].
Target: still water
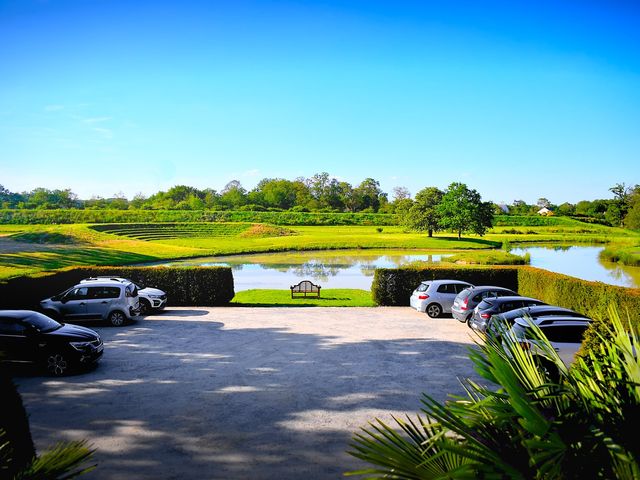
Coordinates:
[354,268]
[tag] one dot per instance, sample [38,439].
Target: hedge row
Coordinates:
[185,286]
[46,217]
[394,286]
[593,299]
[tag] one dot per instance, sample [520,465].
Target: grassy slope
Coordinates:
[86,246]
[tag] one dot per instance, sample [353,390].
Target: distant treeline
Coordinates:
[319,193]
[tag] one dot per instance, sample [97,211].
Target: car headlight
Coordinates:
[80,346]
[155,296]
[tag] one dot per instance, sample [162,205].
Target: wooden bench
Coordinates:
[305,289]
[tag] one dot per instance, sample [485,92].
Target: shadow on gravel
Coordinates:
[187,399]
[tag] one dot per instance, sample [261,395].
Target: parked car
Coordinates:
[468,299]
[565,334]
[435,297]
[494,305]
[115,301]
[531,312]
[150,298]
[28,336]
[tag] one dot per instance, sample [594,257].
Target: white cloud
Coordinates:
[94,120]
[105,132]
[251,173]
[53,108]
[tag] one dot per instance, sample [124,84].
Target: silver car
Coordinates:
[565,334]
[435,297]
[150,299]
[110,300]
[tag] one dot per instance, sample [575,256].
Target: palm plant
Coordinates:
[528,422]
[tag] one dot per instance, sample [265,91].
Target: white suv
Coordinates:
[150,298]
[435,297]
[110,300]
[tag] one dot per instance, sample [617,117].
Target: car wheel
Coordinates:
[434,310]
[145,307]
[117,318]
[549,369]
[57,363]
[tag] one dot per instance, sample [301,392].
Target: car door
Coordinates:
[74,303]
[100,300]
[446,295]
[15,342]
[565,339]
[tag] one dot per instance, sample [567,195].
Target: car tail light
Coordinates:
[465,304]
[486,316]
[423,297]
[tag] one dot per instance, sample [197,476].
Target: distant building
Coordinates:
[545,211]
[503,207]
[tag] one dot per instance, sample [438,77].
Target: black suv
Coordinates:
[28,336]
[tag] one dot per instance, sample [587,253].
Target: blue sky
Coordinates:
[519,100]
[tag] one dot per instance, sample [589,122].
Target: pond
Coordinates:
[329,268]
[354,268]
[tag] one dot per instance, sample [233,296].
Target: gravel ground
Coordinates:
[235,393]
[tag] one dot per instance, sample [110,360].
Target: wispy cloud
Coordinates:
[105,132]
[53,108]
[251,173]
[94,120]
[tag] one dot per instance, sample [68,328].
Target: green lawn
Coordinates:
[337,297]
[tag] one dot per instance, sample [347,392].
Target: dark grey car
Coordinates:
[534,312]
[469,298]
[495,305]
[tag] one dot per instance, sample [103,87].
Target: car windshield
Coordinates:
[41,322]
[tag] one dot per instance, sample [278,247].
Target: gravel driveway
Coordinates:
[235,393]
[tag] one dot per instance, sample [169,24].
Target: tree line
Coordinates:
[319,193]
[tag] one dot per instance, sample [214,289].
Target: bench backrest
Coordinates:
[305,286]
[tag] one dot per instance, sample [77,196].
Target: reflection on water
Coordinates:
[354,268]
[582,262]
[331,269]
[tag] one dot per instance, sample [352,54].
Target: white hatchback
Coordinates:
[435,297]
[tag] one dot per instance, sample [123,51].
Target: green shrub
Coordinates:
[185,286]
[625,256]
[393,286]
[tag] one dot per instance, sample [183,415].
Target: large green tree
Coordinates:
[423,214]
[463,210]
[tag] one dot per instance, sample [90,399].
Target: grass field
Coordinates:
[28,249]
[337,297]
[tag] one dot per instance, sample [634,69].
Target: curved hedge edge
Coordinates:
[393,286]
[592,299]
[185,286]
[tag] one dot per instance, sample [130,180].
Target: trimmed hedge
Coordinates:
[185,286]
[592,299]
[47,217]
[393,286]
